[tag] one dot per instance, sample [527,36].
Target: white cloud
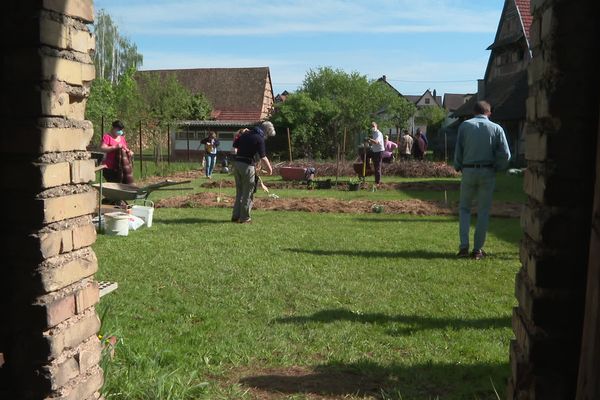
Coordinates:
[288,72]
[270,17]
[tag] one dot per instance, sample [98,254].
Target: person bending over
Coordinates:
[249,145]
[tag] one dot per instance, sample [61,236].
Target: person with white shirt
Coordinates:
[377,149]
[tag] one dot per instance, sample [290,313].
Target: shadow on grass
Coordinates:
[418,254]
[191,221]
[443,219]
[418,322]
[423,254]
[389,382]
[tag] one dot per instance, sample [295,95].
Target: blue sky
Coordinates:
[417,44]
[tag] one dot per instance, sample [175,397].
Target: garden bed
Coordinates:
[408,169]
[328,205]
[343,185]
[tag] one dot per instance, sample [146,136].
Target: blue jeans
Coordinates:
[209,163]
[244,188]
[476,184]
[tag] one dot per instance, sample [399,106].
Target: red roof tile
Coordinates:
[525,12]
[236,115]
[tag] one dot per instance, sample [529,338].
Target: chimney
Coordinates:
[480,89]
[435,94]
[384,78]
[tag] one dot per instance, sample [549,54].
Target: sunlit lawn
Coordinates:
[205,308]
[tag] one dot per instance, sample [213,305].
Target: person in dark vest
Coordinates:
[419,146]
[250,151]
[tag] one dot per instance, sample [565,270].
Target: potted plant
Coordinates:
[354,185]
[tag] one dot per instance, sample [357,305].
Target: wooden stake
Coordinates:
[187,136]
[141,155]
[168,144]
[344,145]
[289,143]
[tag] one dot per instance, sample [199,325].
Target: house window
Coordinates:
[226,135]
[427,101]
[193,135]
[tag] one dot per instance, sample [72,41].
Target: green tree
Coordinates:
[115,54]
[433,117]
[331,101]
[199,107]
[396,111]
[101,106]
[164,101]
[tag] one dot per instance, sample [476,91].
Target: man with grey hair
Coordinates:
[377,149]
[481,150]
[249,145]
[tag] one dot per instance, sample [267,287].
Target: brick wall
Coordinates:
[48,323]
[562,111]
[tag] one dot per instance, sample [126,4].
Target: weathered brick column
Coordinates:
[48,323]
[562,111]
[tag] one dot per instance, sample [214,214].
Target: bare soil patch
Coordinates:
[411,168]
[307,204]
[415,186]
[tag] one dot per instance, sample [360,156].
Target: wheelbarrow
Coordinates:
[125,192]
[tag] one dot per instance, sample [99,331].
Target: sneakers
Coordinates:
[463,253]
[475,254]
[245,221]
[478,255]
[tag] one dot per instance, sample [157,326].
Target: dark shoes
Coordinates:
[475,254]
[463,253]
[245,221]
[478,255]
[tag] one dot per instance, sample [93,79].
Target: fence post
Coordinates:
[344,145]
[289,143]
[169,144]
[187,136]
[141,153]
[446,146]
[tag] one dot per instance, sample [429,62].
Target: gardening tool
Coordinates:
[122,191]
[364,161]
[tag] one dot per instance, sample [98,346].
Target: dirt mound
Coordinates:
[343,185]
[327,205]
[409,169]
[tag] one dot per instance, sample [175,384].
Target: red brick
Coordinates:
[90,354]
[80,9]
[63,372]
[65,270]
[60,310]
[73,333]
[70,206]
[84,236]
[87,297]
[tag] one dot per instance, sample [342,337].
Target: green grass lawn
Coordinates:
[364,306]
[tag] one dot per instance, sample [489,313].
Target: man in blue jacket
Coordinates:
[481,150]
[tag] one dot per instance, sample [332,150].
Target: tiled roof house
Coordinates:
[504,84]
[240,97]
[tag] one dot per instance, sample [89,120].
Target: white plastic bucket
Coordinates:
[116,224]
[145,211]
